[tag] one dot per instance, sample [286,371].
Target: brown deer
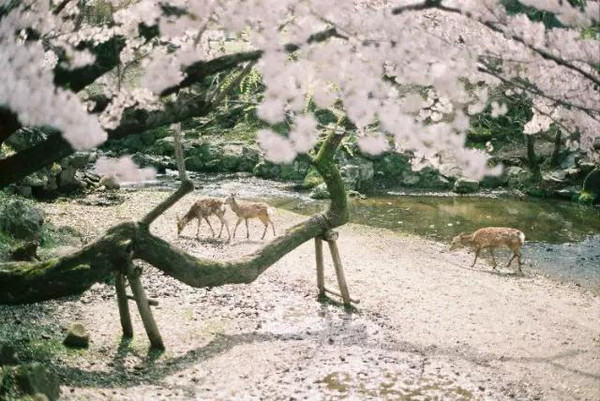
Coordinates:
[201,209]
[492,238]
[250,210]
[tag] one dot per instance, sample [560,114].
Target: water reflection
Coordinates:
[440,217]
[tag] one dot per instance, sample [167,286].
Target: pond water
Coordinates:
[562,238]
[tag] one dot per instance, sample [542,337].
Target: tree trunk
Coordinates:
[73,274]
[556,151]
[534,165]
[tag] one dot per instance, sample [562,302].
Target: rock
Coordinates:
[516,176]
[358,173]
[24,191]
[164,146]
[569,160]
[567,193]
[465,186]
[391,165]
[295,171]
[101,198]
[320,192]
[34,378]
[78,160]
[410,178]
[8,355]
[554,176]
[132,143]
[160,163]
[26,251]
[77,337]
[37,179]
[109,182]
[67,177]
[25,138]
[20,220]
[194,163]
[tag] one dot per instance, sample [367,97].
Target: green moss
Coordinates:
[312,179]
[586,198]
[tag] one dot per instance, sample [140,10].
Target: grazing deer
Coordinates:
[250,210]
[201,209]
[492,237]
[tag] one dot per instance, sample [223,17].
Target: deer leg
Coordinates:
[273,225]
[224,223]
[265,232]
[516,254]
[476,256]
[209,225]
[236,226]
[247,230]
[493,258]
[198,229]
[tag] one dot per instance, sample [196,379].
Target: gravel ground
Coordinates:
[427,326]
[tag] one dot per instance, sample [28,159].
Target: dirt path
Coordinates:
[427,326]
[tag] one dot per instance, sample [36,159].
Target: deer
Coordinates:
[492,238]
[201,209]
[250,210]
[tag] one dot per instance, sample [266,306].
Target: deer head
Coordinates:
[459,240]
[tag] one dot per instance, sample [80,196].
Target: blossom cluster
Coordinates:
[413,76]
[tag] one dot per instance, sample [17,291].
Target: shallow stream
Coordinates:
[562,238]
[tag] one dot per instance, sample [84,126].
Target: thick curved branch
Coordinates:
[23,282]
[198,272]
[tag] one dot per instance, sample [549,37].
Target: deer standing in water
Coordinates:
[492,238]
[201,209]
[250,210]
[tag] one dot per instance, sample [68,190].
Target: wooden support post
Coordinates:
[331,237]
[320,268]
[123,305]
[144,307]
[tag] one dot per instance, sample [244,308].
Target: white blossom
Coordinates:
[277,148]
[123,169]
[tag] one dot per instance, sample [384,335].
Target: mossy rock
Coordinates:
[28,381]
[391,166]
[320,192]
[465,186]
[77,337]
[132,144]
[164,146]
[312,179]
[21,220]
[295,171]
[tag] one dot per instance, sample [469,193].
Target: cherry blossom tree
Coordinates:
[405,74]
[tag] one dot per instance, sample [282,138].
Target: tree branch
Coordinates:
[134,121]
[437,4]
[31,282]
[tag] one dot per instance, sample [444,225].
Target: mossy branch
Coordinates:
[22,282]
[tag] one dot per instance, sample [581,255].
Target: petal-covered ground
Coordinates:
[427,326]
